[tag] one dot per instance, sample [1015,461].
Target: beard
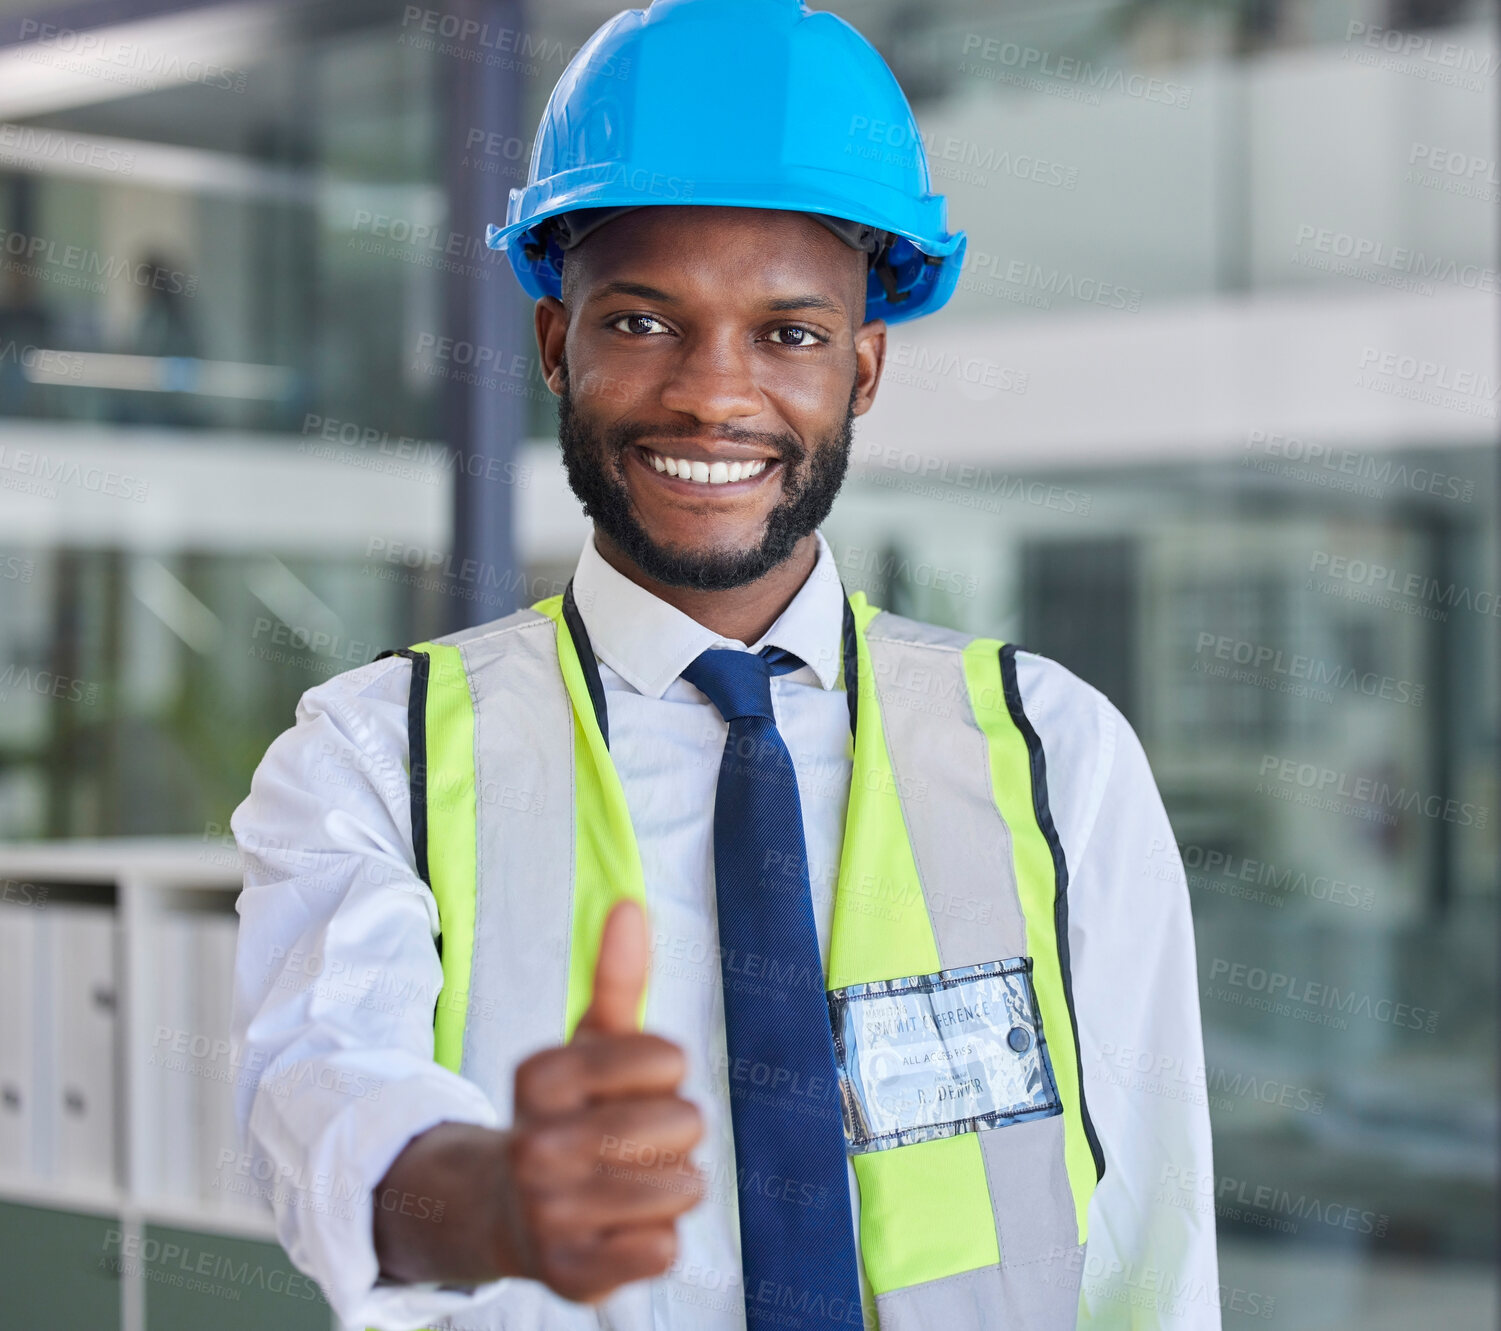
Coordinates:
[811,479]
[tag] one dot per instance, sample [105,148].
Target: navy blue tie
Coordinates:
[797,1240]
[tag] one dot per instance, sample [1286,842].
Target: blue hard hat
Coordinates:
[740,104]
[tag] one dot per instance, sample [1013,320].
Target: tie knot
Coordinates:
[739,683]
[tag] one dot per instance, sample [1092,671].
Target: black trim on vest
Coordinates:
[581,645]
[417,751]
[1060,873]
[851,662]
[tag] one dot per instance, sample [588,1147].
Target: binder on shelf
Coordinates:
[156,916]
[216,935]
[172,1101]
[83,972]
[18,1018]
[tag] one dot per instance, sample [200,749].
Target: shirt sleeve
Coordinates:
[1151,1260]
[335,980]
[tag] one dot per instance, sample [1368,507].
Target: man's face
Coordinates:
[730,340]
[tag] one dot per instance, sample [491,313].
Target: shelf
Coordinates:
[59,1196]
[161,861]
[187,1215]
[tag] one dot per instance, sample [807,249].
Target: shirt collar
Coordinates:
[649,643]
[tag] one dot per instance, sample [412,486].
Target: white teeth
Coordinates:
[716,473]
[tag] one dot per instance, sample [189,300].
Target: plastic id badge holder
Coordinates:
[935,1055]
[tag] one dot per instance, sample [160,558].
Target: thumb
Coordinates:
[619,974]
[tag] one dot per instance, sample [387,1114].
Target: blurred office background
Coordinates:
[1212,419]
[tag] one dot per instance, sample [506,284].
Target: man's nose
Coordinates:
[712,381]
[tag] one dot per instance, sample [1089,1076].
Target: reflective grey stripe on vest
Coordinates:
[523,755]
[969,882]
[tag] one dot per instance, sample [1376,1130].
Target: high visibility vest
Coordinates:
[521,829]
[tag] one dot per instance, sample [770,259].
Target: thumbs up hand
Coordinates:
[598,1158]
[583,1192]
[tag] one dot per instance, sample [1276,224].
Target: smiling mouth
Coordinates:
[718,472]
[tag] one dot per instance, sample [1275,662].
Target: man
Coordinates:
[702,947]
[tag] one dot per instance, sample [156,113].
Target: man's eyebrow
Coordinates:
[812,301]
[808,301]
[621,287]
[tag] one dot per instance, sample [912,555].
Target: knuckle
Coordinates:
[690,1118]
[669,1057]
[537,1157]
[688,1191]
[544,1079]
[553,1218]
[528,1076]
[660,1251]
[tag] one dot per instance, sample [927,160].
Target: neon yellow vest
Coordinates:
[981,1229]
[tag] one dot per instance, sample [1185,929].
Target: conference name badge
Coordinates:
[934,1055]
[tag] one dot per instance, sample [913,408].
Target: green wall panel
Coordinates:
[59,1271]
[206,1282]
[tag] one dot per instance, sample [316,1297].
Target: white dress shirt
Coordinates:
[336,967]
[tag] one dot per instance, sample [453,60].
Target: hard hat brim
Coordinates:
[540,276]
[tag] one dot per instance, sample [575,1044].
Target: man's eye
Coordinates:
[799,337]
[636,322]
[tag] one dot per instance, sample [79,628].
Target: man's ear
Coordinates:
[870,359]
[551,321]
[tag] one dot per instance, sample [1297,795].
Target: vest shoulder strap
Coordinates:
[440,767]
[517,619]
[893,628]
